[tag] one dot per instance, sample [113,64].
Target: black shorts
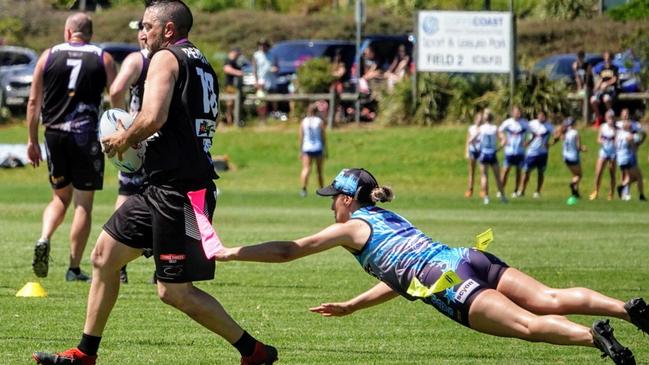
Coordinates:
[478,270]
[131,183]
[74,158]
[162,219]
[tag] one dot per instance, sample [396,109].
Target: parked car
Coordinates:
[119,50]
[16,69]
[288,56]
[559,67]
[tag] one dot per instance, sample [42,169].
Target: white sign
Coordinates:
[464,41]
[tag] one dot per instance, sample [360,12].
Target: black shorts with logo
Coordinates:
[478,270]
[74,158]
[162,219]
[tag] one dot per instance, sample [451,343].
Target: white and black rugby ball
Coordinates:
[133,157]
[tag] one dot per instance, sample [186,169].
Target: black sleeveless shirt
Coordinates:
[178,154]
[73,81]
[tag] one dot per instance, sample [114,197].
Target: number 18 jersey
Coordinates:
[178,155]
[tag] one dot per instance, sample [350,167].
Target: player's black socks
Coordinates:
[75,270]
[89,344]
[246,344]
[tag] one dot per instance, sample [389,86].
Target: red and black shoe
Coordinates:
[263,355]
[68,357]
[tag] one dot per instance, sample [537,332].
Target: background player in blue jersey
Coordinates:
[638,135]
[512,138]
[492,298]
[488,137]
[536,154]
[572,148]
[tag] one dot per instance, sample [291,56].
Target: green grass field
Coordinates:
[600,245]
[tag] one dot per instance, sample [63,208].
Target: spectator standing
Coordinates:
[472,150]
[233,81]
[68,82]
[572,148]
[488,137]
[606,86]
[512,137]
[313,146]
[536,154]
[606,157]
[131,76]
[263,69]
[583,72]
[180,107]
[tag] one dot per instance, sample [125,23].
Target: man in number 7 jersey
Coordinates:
[69,79]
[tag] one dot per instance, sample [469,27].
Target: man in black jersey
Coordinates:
[178,120]
[69,79]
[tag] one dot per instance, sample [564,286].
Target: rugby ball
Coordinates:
[133,157]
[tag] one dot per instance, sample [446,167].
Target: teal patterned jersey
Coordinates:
[397,251]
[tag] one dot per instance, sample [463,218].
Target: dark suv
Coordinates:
[288,56]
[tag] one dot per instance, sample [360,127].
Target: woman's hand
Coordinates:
[332,309]
[226,254]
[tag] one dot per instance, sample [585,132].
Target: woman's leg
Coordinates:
[493,313]
[612,166]
[599,167]
[306,170]
[319,163]
[499,183]
[484,180]
[538,298]
[469,191]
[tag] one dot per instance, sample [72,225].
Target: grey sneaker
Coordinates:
[604,340]
[71,276]
[40,263]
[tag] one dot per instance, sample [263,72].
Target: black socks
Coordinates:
[89,344]
[246,344]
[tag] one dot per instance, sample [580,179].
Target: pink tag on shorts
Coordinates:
[211,241]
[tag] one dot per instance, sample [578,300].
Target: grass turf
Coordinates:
[600,245]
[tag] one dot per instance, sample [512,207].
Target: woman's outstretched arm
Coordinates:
[378,294]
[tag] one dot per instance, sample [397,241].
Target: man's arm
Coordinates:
[111,69]
[128,74]
[232,71]
[378,294]
[34,105]
[160,81]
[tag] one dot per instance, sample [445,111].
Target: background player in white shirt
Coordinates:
[313,147]
[606,158]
